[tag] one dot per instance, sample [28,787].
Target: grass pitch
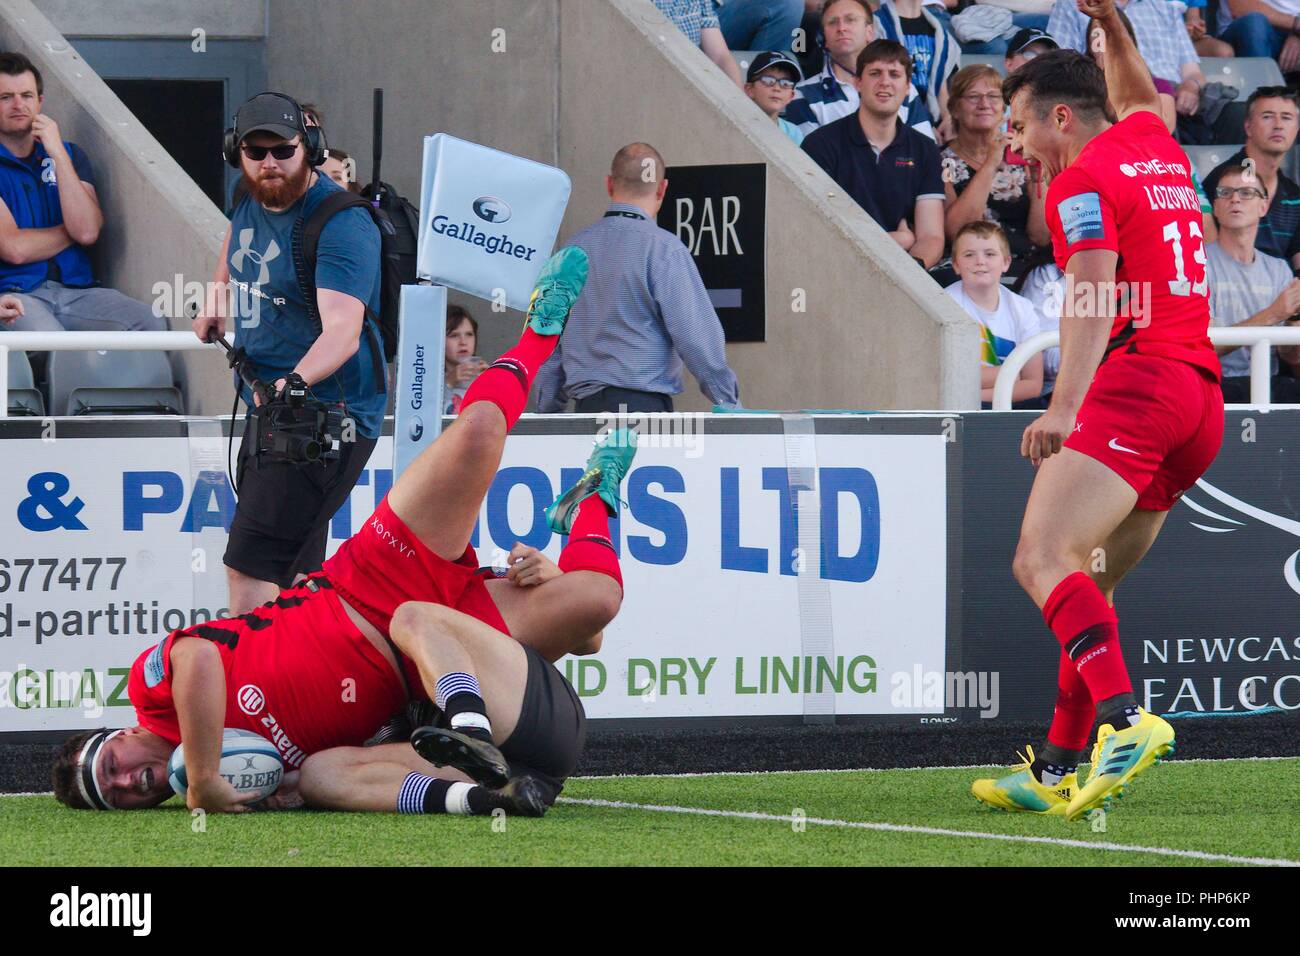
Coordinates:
[1190,812]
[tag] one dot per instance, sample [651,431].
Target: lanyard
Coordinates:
[625,215]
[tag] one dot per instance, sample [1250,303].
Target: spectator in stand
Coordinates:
[1272,121]
[1203,39]
[1025,45]
[1267,28]
[1249,287]
[847,27]
[1025,15]
[1161,38]
[461,363]
[934,52]
[890,169]
[981,257]
[49,217]
[643,312]
[982,178]
[340,167]
[760,24]
[770,84]
[698,19]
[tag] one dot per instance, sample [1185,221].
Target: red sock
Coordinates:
[1075,711]
[1088,630]
[507,381]
[590,547]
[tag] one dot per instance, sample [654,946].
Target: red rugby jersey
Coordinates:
[1130,191]
[298,672]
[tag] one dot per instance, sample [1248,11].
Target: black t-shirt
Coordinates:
[919,38]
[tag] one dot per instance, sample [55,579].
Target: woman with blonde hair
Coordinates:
[982,178]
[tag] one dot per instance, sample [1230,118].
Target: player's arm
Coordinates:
[1128,81]
[199,693]
[1085,330]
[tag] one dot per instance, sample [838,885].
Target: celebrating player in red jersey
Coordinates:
[399,612]
[1136,416]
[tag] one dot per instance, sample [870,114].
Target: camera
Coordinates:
[290,426]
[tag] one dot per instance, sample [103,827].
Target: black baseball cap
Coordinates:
[1027,36]
[770,58]
[270,113]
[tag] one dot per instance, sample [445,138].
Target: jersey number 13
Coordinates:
[1180,285]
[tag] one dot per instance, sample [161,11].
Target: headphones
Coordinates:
[313,137]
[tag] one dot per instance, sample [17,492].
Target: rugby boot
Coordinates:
[477,759]
[608,464]
[1020,791]
[558,286]
[522,797]
[1118,757]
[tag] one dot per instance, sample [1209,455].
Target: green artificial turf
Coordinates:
[1236,808]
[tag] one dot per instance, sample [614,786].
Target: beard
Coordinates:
[16,127]
[277,191]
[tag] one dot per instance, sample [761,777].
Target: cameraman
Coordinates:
[282,518]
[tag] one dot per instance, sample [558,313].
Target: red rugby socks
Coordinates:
[1088,630]
[1075,712]
[590,547]
[507,381]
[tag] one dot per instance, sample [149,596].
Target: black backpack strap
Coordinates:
[306,238]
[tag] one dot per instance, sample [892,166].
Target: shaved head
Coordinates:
[637,170]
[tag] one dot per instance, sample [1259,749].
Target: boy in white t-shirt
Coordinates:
[981,256]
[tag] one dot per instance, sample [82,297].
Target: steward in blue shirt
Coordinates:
[280,524]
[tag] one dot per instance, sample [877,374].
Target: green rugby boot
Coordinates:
[608,464]
[558,287]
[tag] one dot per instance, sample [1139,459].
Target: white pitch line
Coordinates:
[933,831]
[969,766]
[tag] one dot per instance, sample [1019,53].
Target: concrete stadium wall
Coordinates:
[580,78]
[157,223]
[219,19]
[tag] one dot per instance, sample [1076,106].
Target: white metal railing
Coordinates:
[1259,338]
[92,342]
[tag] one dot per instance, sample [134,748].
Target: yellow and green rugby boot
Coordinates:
[1118,757]
[1020,792]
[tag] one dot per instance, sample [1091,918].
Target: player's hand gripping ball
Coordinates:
[249,763]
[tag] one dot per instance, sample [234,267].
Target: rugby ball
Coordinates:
[248,760]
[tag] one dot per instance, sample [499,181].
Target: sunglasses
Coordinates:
[773,81]
[258,153]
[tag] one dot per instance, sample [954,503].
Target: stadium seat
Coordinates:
[1205,158]
[743,58]
[112,383]
[1245,73]
[995,60]
[24,397]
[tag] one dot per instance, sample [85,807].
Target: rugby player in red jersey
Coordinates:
[399,613]
[1136,416]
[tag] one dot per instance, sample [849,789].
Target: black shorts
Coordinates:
[283,514]
[552,728]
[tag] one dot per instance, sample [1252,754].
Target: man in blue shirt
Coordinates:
[49,215]
[891,170]
[643,313]
[333,344]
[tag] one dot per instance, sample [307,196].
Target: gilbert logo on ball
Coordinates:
[488,220]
